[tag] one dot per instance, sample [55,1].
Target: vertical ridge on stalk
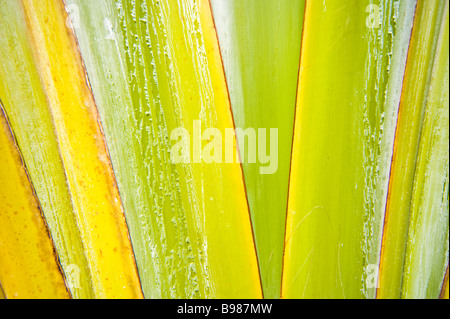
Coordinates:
[427,249]
[344,130]
[408,162]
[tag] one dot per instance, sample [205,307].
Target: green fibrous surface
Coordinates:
[351,75]
[413,209]
[151,72]
[427,246]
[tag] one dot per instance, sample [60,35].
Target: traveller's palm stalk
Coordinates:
[92,105]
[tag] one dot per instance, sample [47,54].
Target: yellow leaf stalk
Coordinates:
[29,265]
[91,182]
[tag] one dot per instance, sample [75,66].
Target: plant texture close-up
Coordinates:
[224,149]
